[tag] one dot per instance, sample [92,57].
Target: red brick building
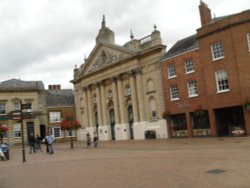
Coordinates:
[206,78]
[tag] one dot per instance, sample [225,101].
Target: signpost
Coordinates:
[26,112]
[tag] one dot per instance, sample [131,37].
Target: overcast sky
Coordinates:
[43,40]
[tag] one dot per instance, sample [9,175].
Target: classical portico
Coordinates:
[118,89]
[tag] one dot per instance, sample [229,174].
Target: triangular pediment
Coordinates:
[104,55]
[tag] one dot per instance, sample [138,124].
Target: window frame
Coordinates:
[248,41]
[72,132]
[17,130]
[187,71]
[217,51]
[53,132]
[16,106]
[3,110]
[219,73]
[190,90]
[56,119]
[171,69]
[172,92]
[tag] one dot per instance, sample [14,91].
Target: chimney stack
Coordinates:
[54,87]
[205,13]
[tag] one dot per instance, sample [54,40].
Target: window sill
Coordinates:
[191,96]
[218,59]
[172,77]
[223,91]
[175,99]
[190,72]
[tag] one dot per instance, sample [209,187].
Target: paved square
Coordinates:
[182,163]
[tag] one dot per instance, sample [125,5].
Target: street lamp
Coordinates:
[22,134]
[25,112]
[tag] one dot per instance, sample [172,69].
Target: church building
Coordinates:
[118,89]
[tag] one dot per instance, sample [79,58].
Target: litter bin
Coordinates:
[5,149]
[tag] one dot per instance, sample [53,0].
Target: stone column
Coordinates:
[103,103]
[90,114]
[121,103]
[140,95]
[99,109]
[86,108]
[115,99]
[134,97]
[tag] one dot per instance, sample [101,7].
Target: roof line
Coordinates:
[179,54]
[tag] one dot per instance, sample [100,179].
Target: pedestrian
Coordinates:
[95,139]
[1,151]
[88,140]
[38,143]
[32,142]
[50,139]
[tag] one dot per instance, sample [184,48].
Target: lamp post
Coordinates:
[25,113]
[22,134]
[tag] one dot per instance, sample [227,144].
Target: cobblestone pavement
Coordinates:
[173,163]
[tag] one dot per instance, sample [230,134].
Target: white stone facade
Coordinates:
[118,90]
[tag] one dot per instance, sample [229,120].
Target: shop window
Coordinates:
[56,131]
[70,133]
[179,123]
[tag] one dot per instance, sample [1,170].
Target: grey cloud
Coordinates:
[44,39]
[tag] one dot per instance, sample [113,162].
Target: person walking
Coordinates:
[95,139]
[88,140]
[32,142]
[50,139]
[38,143]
